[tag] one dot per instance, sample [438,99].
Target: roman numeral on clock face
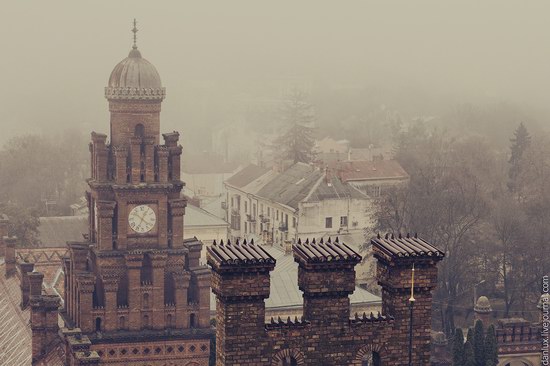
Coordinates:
[142,219]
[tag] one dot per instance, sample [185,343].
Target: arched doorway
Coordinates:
[288,357]
[368,356]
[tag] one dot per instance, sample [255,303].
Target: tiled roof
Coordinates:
[49,262]
[246,176]
[15,331]
[369,170]
[291,186]
[335,190]
[406,247]
[239,254]
[322,251]
[56,231]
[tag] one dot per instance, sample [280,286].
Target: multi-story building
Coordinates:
[304,200]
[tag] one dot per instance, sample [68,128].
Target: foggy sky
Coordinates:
[57,55]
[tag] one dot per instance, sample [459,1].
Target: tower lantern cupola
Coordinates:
[135,94]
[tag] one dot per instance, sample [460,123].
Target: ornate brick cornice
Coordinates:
[128,93]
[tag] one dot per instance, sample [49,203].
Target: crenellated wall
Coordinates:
[327,334]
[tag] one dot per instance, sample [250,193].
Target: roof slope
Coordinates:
[56,231]
[15,332]
[246,175]
[284,291]
[335,190]
[291,186]
[195,216]
[284,284]
[370,170]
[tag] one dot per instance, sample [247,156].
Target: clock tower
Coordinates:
[135,289]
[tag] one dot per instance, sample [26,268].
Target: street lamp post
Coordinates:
[411,306]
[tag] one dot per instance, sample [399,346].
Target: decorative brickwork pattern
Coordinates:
[134,291]
[327,334]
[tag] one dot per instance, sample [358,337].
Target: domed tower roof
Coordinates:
[134,78]
[483,305]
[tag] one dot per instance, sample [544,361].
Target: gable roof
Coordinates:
[246,175]
[56,231]
[369,170]
[291,186]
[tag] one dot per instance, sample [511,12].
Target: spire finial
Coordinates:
[135,30]
[412,299]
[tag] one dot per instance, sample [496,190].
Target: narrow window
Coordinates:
[139,130]
[328,222]
[98,324]
[192,321]
[343,221]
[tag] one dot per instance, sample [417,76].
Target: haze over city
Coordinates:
[418,57]
[284,183]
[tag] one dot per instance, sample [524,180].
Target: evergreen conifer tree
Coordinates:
[470,336]
[458,347]
[469,357]
[491,347]
[479,343]
[297,143]
[519,144]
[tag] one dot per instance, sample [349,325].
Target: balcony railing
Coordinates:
[283,227]
[250,218]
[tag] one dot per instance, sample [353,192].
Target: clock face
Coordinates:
[142,219]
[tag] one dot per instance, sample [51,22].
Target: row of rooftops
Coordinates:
[249,254]
[309,183]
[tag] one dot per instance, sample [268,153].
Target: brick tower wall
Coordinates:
[326,335]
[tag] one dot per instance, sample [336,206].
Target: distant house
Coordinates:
[370,176]
[204,226]
[329,149]
[300,201]
[205,173]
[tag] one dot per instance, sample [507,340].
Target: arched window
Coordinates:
[193,290]
[122,292]
[139,130]
[288,357]
[98,324]
[372,359]
[146,321]
[169,321]
[192,321]
[122,322]
[145,300]
[366,356]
